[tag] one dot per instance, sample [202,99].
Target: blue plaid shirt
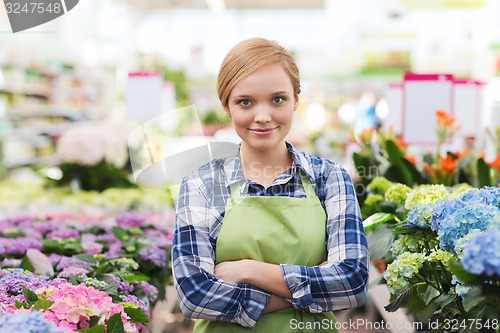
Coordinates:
[200,209]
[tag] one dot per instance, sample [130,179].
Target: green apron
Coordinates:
[276,230]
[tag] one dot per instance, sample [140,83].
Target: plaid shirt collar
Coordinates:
[233,172]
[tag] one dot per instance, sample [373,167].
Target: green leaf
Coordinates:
[50,244]
[429,295]
[26,264]
[115,324]
[472,298]
[484,173]
[462,275]
[393,152]
[93,329]
[401,300]
[136,315]
[426,314]
[21,305]
[416,175]
[111,288]
[120,233]
[85,257]
[376,219]
[138,277]
[42,304]
[30,296]
[94,320]
[445,299]
[380,240]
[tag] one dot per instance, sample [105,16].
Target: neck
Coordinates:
[272,162]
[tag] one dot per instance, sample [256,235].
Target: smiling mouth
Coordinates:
[264,131]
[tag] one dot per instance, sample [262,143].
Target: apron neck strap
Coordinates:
[306,183]
[235,190]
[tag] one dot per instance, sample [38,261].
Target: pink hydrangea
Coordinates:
[74,306]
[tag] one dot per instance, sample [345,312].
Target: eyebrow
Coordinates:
[272,94]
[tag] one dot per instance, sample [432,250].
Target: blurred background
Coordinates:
[72,90]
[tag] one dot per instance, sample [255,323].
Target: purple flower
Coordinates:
[133,299]
[19,245]
[123,287]
[11,262]
[66,262]
[482,254]
[91,247]
[13,279]
[147,289]
[157,256]
[72,271]
[62,234]
[130,219]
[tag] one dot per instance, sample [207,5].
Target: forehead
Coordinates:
[268,78]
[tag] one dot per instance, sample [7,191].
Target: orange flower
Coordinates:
[444,119]
[410,158]
[399,142]
[447,163]
[495,164]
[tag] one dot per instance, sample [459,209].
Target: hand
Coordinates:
[232,271]
[323,263]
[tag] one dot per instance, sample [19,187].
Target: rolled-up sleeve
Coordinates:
[342,283]
[200,293]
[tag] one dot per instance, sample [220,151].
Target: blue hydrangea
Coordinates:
[482,254]
[22,322]
[420,214]
[487,195]
[454,219]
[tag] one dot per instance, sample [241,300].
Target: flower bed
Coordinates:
[98,274]
[442,250]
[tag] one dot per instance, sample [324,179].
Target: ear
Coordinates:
[296,103]
[226,108]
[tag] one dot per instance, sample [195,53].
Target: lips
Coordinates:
[263,131]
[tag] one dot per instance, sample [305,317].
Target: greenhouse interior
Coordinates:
[112,129]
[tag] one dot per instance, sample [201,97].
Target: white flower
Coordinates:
[89,143]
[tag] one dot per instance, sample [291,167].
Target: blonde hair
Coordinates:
[248,56]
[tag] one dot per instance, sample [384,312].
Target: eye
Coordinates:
[278,99]
[244,102]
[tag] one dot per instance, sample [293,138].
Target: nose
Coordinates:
[262,115]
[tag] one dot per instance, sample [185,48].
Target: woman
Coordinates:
[271,239]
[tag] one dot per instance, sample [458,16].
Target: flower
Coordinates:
[397,193]
[487,195]
[401,270]
[495,164]
[444,120]
[75,305]
[28,322]
[420,214]
[130,219]
[460,189]
[448,163]
[456,218]
[89,144]
[13,279]
[440,256]
[425,194]
[410,243]
[482,254]
[372,199]
[380,185]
